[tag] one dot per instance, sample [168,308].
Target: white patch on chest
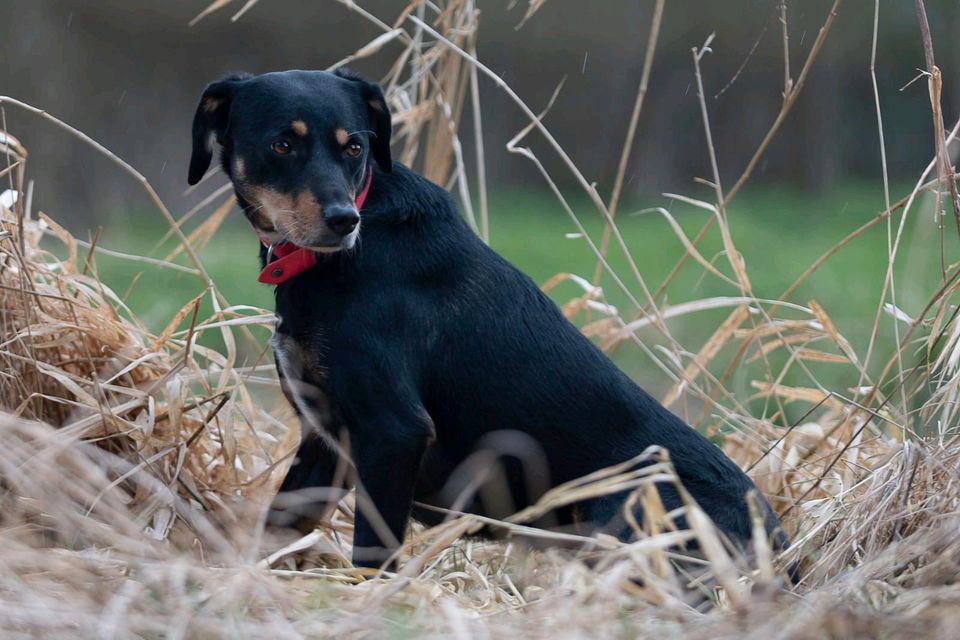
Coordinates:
[294,362]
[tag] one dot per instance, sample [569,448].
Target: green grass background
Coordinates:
[779,231]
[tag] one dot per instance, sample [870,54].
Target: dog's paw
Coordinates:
[291,510]
[285,522]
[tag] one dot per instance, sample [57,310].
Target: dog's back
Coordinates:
[497,356]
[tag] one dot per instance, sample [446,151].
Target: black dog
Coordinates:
[421,344]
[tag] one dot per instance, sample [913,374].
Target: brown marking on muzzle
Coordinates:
[255,213]
[299,216]
[210,104]
[260,220]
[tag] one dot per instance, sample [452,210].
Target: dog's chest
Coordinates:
[300,357]
[301,364]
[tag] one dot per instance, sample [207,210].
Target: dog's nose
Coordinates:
[341,219]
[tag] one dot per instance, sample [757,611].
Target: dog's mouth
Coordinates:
[326,242]
[336,245]
[293,229]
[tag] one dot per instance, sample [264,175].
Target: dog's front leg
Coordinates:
[312,486]
[317,477]
[387,453]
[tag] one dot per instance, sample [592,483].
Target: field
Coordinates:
[531,230]
[814,337]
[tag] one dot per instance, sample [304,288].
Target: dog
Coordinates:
[422,365]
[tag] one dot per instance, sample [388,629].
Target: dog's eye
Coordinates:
[354,149]
[280,147]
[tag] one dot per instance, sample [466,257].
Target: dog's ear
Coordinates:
[382,126]
[211,120]
[379,117]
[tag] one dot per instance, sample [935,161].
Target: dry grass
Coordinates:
[135,465]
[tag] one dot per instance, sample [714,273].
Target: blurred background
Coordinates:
[129,73]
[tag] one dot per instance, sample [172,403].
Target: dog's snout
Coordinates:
[341,219]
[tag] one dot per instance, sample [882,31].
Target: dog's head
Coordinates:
[297,146]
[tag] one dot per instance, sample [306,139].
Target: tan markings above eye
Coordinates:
[281,147]
[342,137]
[299,127]
[354,149]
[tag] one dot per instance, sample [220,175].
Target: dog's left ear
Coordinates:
[379,117]
[211,120]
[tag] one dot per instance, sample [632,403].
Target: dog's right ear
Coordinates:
[211,120]
[379,117]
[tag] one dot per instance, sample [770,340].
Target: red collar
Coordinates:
[285,259]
